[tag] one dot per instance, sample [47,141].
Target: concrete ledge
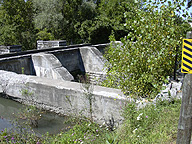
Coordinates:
[65,97]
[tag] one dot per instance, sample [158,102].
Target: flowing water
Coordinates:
[49,122]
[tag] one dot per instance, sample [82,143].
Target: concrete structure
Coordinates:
[65,97]
[10,49]
[47,65]
[48,75]
[59,64]
[94,64]
[18,64]
[50,44]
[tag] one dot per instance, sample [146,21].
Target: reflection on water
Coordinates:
[7,110]
[49,122]
[4,124]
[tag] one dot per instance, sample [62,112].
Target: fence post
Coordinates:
[185,119]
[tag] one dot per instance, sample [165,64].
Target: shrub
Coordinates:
[140,65]
[152,124]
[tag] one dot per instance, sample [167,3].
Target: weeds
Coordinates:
[18,137]
[87,88]
[152,124]
[30,112]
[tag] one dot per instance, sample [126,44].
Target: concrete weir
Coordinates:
[47,65]
[65,97]
[62,63]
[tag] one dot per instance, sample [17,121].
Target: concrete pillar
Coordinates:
[47,65]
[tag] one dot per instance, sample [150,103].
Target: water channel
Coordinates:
[49,122]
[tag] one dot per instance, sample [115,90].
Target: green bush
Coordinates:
[44,35]
[152,124]
[147,55]
[83,132]
[20,136]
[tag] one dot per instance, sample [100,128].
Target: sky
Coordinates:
[182,7]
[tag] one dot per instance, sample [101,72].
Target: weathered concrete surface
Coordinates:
[47,65]
[94,62]
[92,59]
[50,44]
[18,64]
[65,97]
[77,60]
[10,49]
[70,59]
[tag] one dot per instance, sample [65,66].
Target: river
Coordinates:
[49,122]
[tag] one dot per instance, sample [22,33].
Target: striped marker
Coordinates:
[186,64]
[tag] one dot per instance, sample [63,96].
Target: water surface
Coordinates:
[49,122]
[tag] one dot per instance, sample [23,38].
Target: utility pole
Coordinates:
[185,119]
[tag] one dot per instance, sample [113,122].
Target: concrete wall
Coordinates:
[65,97]
[47,65]
[77,60]
[10,49]
[50,44]
[94,62]
[20,64]
[70,59]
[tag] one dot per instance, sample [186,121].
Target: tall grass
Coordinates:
[153,124]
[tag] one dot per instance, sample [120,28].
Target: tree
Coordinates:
[189,3]
[7,34]
[87,14]
[17,23]
[79,21]
[74,13]
[48,17]
[61,18]
[109,17]
[146,57]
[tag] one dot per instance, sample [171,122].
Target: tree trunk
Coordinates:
[185,119]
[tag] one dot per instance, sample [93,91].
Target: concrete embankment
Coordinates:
[69,98]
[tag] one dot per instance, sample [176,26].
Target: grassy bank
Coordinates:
[153,124]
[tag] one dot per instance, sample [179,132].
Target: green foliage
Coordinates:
[18,137]
[7,36]
[48,18]
[146,57]
[109,17]
[189,3]
[75,13]
[44,35]
[17,24]
[86,14]
[85,132]
[30,113]
[77,21]
[152,124]
[111,138]
[48,14]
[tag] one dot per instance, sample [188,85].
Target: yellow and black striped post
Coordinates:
[185,118]
[186,64]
